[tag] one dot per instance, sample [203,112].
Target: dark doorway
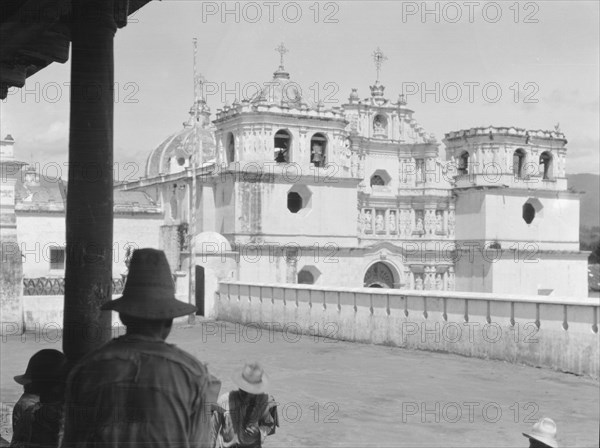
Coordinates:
[379,275]
[200,290]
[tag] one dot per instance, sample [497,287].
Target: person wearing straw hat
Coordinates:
[244,418]
[42,378]
[137,390]
[543,434]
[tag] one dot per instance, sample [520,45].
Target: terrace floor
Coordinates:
[341,394]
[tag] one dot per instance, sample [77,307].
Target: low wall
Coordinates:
[43,315]
[554,332]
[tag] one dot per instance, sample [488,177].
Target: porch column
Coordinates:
[89,235]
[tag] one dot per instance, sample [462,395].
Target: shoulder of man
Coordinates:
[176,354]
[121,349]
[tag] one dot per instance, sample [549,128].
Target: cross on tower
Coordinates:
[378,58]
[281,50]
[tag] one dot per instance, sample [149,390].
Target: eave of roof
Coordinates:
[35,33]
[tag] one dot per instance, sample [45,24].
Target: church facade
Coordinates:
[277,188]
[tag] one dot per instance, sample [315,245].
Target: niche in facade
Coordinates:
[283,144]
[380,178]
[318,149]
[380,124]
[299,199]
[531,209]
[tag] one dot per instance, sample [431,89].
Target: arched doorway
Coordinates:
[379,275]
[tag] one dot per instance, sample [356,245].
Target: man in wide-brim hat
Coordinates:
[137,389]
[245,417]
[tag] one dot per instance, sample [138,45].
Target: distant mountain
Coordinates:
[589,214]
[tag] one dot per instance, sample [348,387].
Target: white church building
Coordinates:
[278,189]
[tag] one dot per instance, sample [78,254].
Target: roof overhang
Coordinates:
[36,33]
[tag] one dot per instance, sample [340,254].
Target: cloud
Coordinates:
[57,131]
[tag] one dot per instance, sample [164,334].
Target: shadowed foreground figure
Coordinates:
[543,434]
[137,390]
[244,418]
[37,414]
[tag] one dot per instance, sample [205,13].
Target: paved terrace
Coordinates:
[371,395]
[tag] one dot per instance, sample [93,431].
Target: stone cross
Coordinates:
[378,58]
[281,50]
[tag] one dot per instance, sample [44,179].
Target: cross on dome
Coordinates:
[281,50]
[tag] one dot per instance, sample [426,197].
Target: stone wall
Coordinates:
[43,316]
[557,333]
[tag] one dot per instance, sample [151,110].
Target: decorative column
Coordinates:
[445,222]
[450,279]
[89,235]
[451,222]
[410,280]
[430,174]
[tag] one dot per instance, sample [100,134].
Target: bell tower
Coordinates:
[510,157]
[517,225]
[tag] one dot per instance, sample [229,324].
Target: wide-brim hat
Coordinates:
[149,291]
[45,365]
[252,379]
[544,431]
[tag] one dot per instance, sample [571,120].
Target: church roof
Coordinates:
[38,193]
[174,152]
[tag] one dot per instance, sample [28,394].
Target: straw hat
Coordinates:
[252,379]
[544,431]
[149,290]
[45,365]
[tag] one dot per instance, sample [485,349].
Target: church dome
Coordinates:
[173,154]
[210,243]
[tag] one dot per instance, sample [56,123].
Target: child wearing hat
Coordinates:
[41,382]
[543,434]
[34,380]
[244,418]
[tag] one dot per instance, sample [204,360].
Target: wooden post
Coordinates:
[88,273]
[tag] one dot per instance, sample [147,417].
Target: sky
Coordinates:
[532,65]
